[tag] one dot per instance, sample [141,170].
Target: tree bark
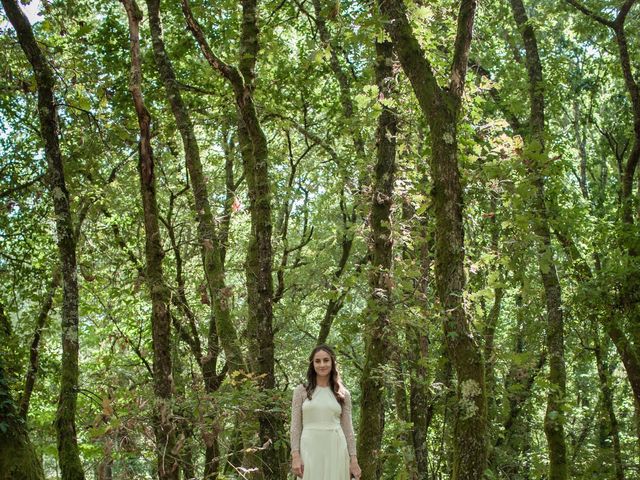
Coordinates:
[68,453]
[380,277]
[168,466]
[554,419]
[440,108]
[636,421]
[259,259]
[420,408]
[18,458]
[421,404]
[492,320]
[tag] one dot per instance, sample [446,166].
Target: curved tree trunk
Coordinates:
[168,466]
[492,320]
[421,402]
[68,453]
[34,350]
[380,278]
[420,407]
[624,338]
[211,247]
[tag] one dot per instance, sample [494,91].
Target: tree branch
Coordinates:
[229,72]
[462,46]
[589,13]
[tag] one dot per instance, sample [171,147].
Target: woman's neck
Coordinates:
[322,381]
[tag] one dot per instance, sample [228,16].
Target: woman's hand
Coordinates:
[354,468]
[296,465]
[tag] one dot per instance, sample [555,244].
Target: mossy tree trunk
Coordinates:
[34,350]
[18,458]
[378,335]
[421,406]
[421,401]
[68,452]
[492,318]
[168,465]
[440,108]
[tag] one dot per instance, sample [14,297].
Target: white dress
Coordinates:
[325,439]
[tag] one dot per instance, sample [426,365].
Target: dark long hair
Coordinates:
[334,376]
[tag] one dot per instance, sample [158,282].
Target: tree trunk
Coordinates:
[18,458]
[636,422]
[489,355]
[470,426]
[440,108]
[492,319]
[168,466]
[380,278]
[259,259]
[211,248]
[68,453]
[402,402]
[420,408]
[345,81]
[554,419]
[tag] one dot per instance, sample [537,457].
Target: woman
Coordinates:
[323,446]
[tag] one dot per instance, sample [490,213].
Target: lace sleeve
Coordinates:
[296,418]
[347,424]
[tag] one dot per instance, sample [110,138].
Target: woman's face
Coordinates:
[322,363]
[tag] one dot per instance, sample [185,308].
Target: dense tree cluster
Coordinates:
[197,193]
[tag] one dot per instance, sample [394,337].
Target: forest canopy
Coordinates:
[197,193]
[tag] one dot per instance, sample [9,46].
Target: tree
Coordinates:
[381,274]
[68,453]
[166,448]
[441,109]
[554,419]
